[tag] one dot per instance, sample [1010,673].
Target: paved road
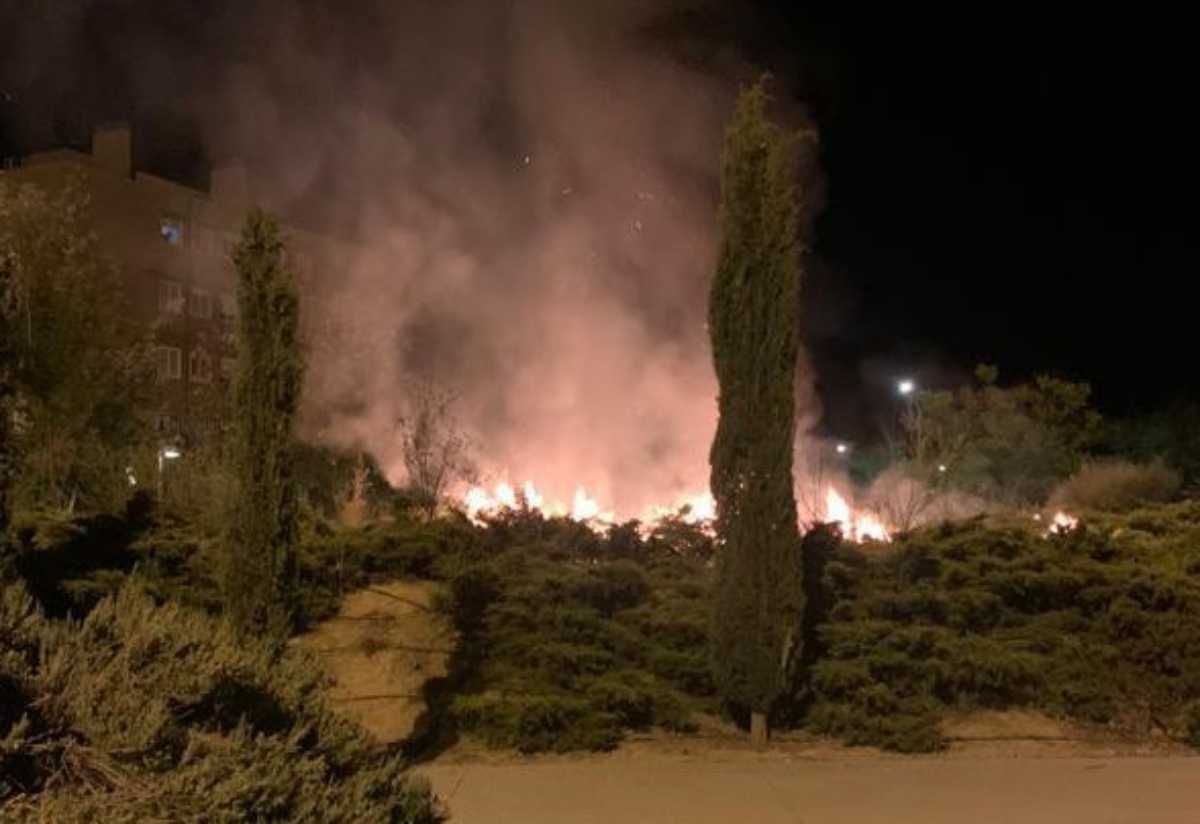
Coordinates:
[660,790]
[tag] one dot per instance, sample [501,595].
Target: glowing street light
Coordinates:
[167,453]
[842,449]
[941,467]
[906,386]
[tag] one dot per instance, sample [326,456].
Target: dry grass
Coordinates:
[1116,486]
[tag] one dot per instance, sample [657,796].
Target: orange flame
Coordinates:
[855,526]
[1062,522]
[697,509]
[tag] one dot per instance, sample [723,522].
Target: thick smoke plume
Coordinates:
[533,191]
[530,191]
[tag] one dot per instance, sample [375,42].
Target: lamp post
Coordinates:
[906,388]
[167,453]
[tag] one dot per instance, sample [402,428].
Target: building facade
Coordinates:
[172,244]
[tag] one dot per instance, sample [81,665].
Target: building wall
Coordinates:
[172,244]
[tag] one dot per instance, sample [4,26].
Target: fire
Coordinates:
[698,509]
[585,508]
[1062,522]
[856,526]
[479,502]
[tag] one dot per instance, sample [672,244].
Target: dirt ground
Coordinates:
[381,648]
[996,773]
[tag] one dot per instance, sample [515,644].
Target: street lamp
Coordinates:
[906,386]
[167,453]
[842,449]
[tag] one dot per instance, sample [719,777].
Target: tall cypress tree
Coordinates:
[259,575]
[8,457]
[753,325]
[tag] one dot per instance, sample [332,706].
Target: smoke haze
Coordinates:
[531,187]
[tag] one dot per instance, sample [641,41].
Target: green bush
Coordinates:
[145,712]
[1192,722]
[537,723]
[612,587]
[1101,625]
[573,640]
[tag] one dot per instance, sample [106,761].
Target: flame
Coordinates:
[855,526]
[479,502]
[532,497]
[1062,522]
[698,509]
[584,508]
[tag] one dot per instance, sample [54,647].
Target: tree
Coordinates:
[260,564]
[77,361]
[753,309]
[1170,433]
[8,305]
[434,445]
[1008,444]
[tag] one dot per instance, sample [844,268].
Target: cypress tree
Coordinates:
[753,326]
[259,574]
[7,393]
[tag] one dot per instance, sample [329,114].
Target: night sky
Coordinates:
[1014,189]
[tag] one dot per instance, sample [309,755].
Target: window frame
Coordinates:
[198,298]
[172,297]
[199,356]
[168,357]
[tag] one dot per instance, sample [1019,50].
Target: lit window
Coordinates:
[170,297]
[170,363]
[200,304]
[171,230]
[199,366]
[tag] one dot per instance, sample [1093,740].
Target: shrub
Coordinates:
[1100,626]
[612,587]
[572,639]
[1116,486]
[145,712]
[536,723]
[1192,725]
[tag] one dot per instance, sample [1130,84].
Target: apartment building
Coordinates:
[172,244]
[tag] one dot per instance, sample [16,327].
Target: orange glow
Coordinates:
[697,509]
[856,526]
[1062,522]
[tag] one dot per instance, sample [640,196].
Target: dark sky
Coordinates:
[1009,188]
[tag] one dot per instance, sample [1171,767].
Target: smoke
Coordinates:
[529,190]
[532,188]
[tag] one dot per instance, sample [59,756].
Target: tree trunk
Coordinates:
[758,729]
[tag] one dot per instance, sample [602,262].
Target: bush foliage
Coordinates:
[574,639]
[145,712]
[569,640]
[1100,625]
